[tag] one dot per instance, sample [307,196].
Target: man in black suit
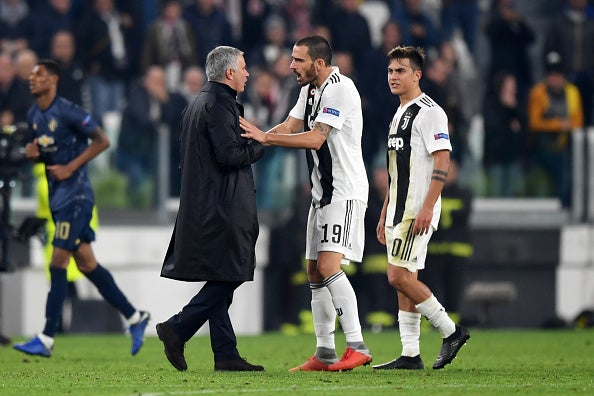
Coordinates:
[214,238]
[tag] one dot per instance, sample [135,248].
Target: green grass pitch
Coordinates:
[494,362]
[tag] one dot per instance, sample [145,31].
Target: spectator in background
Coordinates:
[377,100]
[288,90]
[463,14]
[170,43]
[254,14]
[435,81]
[554,112]
[464,77]
[505,137]
[418,29]
[15,25]
[147,108]
[571,35]
[210,25]
[510,38]
[261,99]
[72,75]
[322,31]
[274,42]
[260,104]
[24,61]
[349,30]
[192,84]
[438,84]
[15,97]
[298,13]
[104,36]
[47,19]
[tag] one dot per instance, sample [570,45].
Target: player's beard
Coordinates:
[309,76]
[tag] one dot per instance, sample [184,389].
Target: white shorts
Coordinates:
[337,227]
[405,249]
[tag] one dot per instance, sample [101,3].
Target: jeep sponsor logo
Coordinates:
[395,143]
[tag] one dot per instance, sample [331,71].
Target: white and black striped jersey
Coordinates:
[417,130]
[337,170]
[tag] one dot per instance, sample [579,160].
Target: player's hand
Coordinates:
[380,231]
[423,222]
[250,131]
[32,150]
[59,172]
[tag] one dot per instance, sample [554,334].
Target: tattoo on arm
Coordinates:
[323,128]
[439,175]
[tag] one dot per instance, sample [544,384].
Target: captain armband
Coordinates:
[439,175]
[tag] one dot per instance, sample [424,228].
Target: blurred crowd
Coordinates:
[515,78]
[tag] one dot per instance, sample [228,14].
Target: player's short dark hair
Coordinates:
[51,66]
[317,48]
[415,55]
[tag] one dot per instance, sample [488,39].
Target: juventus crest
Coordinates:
[405,119]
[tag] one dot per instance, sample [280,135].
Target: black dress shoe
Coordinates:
[239,364]
[174,347]
[4,340]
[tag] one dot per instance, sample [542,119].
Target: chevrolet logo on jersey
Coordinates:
[45,140]
[395,143]
[52,125]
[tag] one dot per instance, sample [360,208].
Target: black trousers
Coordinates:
[211,303]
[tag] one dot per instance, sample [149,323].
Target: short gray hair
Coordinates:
[219,60]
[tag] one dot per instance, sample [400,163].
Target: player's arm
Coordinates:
[312,139]
[381,224]
[32,151]
[441,165]
[289,126]
[99,143]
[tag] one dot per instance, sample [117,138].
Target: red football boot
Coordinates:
[311,364]
[349,360]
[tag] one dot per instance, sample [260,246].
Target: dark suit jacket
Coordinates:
[215,232]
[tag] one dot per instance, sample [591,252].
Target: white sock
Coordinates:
[324,316]
[437,316]
[134,318]
[345,303]
[409,325]
[46,340]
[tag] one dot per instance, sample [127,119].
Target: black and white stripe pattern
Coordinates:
[427,101]
[332,278]
[348,216]
[408,243]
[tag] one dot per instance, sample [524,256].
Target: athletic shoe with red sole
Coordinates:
[311,364]
[349,360]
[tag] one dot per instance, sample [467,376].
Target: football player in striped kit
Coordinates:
[418,161]
[327,121]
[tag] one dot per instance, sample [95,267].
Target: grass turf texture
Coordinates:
[494,362]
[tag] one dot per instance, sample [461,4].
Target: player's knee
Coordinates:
[400,278]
